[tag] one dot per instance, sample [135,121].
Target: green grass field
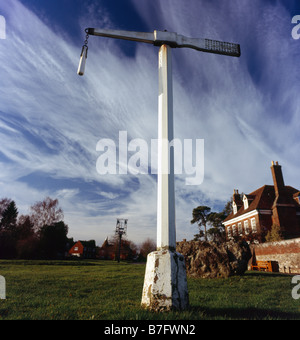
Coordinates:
[102,290]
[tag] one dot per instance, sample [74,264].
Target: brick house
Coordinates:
[109,250]
[269,205]
[84,249]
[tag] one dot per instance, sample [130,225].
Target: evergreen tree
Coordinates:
[9,217]
[274,234]
[8,234]
[200,216]
[53,240]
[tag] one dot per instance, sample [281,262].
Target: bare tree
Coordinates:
[46,212]
[147,247]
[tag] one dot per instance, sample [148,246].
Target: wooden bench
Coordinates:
[262,266]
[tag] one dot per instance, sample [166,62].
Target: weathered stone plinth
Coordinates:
[165,285]
[215,260]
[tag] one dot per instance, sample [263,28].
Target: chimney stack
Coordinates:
[237,198]
[277,178]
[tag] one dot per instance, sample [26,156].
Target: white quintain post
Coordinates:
[166,231]
[165,285]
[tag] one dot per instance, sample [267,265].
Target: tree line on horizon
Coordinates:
[40,235]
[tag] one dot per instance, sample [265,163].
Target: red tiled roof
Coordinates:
[263,199]
[296,194]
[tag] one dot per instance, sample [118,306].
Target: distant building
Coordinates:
[109,250]
[84,249]
[269,205]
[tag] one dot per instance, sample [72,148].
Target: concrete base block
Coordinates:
[165,285]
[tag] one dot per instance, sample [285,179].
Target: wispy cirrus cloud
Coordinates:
[51,119]
[246,110]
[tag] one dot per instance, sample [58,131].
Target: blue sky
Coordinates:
[247,110]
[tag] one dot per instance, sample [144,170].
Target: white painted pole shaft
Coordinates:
[166,229]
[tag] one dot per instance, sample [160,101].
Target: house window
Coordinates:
[246,227]
[234,230]
[76,249]
[229,234]
[246,203]
[234,206]
[240,228]
[253,225]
